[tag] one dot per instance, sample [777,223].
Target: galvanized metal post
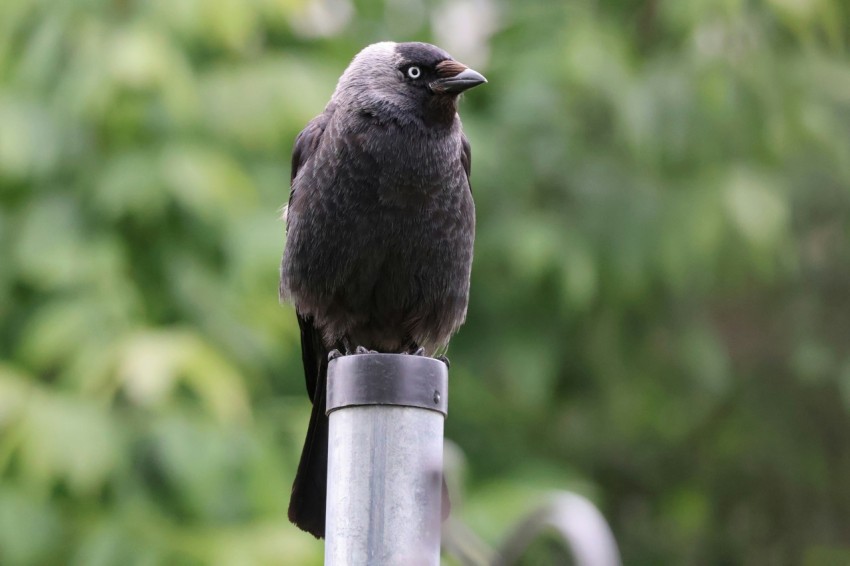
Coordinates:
[385,460]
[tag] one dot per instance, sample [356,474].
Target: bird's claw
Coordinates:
[419,352]
[445,360]
[334,354]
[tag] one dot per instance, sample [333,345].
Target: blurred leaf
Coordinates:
[153,363]
[30,530]
[68,440]
[758,212]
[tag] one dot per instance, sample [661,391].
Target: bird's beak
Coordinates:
[455,78]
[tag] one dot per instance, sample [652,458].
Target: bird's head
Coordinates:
[414,78]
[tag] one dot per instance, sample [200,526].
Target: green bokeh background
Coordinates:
[660,310]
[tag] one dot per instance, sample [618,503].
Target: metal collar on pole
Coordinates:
[388,379]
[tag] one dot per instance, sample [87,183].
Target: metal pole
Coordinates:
[385,460]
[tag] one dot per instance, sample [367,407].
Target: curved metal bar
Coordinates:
[576,521]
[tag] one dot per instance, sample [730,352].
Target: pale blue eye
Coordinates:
[414,72]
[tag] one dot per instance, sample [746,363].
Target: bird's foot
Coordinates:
[421,352]
[334,354]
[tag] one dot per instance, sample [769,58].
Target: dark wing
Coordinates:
[308,140]
[312,350]
[466,156]
[314,356]
[307,502]
[309,489]
[305,146]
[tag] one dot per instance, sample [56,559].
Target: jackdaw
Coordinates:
[380,225]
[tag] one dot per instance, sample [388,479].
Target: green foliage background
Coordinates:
[660,310]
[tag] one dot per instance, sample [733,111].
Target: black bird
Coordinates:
[380,227]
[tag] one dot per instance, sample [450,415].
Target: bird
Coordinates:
[380,226]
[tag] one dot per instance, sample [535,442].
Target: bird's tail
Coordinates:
[309,491]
